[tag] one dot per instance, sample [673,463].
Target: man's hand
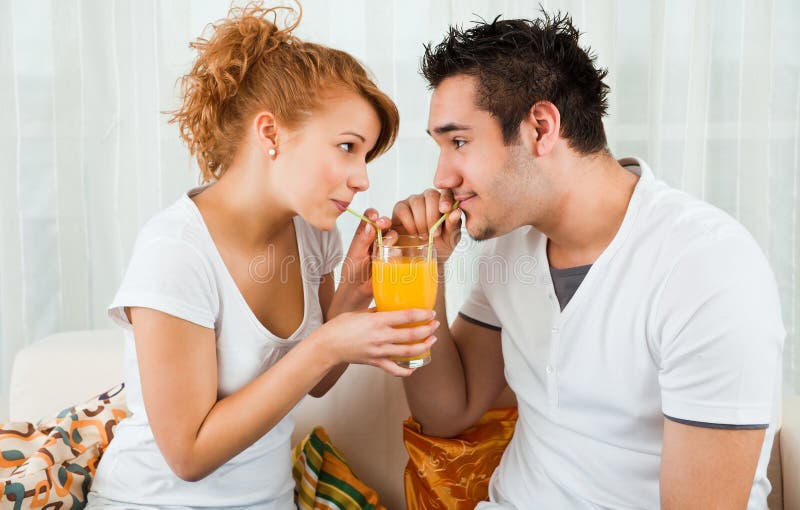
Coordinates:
[418,213]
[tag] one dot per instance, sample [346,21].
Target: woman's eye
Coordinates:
[346,146]
[458,143]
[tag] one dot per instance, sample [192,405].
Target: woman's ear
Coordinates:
[541,128]
[265,126]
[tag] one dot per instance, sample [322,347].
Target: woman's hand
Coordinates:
[355,286]
[372,338]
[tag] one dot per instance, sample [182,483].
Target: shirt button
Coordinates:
[555,329]
[549,369]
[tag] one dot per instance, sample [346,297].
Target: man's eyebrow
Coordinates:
[354,134]
[452,126]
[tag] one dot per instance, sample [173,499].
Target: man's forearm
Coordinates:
[436,393]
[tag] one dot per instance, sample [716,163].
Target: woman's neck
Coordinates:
[253,212]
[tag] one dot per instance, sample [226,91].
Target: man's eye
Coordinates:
[458,143]
[346,146]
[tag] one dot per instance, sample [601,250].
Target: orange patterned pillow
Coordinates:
[454,474]
[51,464]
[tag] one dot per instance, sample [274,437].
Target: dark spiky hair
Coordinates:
[520,62]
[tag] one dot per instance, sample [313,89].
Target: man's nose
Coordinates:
[447,175]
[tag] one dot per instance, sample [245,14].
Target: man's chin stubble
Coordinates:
[484,234]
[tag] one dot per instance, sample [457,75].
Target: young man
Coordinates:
[639,327]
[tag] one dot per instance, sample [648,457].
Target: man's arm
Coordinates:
[720,336]
[463,379]
[708,468]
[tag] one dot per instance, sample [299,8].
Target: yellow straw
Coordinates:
[375,225]
[436,225]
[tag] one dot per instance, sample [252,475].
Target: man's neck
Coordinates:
[585,220]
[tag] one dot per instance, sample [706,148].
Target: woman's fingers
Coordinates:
[394,335]
[408,350]
[360,249]
[401,317]
[393,368]
[364,234]
[414,333]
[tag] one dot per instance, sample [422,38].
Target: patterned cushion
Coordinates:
[323,479]
[454,473]
[50,464]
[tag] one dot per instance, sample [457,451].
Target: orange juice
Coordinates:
[401,283]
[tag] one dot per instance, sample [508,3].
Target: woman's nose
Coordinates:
[358,181]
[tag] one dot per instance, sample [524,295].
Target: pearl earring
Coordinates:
[272,152]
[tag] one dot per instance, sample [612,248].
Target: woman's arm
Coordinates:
[326,293]
[355,289]
[178,367]
[196,432]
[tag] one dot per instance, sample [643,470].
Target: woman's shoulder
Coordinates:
[169,270]
[180,223]
[175,236]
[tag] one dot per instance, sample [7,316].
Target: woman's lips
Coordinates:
[342,206]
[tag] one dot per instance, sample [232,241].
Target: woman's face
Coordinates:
[326,158]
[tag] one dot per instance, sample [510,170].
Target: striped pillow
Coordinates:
[324,481]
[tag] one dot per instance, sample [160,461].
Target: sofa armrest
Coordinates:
[790,452]
[62,370]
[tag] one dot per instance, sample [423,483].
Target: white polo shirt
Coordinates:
[678,317]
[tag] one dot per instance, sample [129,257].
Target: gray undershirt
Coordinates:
[566,282]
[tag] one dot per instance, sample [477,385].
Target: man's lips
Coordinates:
[341,205]
[464,198]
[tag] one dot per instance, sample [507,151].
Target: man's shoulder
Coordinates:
[680,221]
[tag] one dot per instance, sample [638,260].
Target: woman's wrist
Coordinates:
[321,349]
[347,300]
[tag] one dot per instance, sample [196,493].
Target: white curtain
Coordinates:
[707,91]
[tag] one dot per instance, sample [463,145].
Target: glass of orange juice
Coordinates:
[404,276]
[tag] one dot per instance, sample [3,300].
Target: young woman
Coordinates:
[228,304]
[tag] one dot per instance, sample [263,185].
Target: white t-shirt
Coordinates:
[678,317]
[175,268]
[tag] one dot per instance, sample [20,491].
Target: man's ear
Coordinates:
[265,126]
[541,128]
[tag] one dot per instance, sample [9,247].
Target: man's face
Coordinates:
[487,176]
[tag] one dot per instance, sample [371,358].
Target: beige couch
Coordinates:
[362,413]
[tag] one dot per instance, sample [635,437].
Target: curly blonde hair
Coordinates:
[250,64]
